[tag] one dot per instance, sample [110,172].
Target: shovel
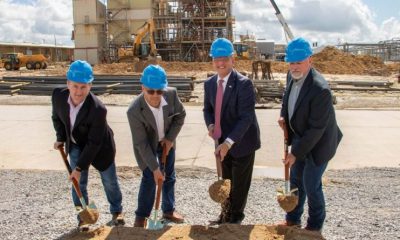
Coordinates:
[286,197]
[89,214]
[220,189]
[154,222]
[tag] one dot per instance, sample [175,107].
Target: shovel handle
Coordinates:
[218,161]
[158,194]
[74,181]
[285,150]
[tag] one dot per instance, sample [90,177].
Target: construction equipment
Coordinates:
[241,51]
[89,214]
[154,222]
[282,20]
[141,53]
[13,61]
[286,197]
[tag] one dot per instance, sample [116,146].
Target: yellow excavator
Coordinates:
[142,54]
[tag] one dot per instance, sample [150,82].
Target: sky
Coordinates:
[322,21]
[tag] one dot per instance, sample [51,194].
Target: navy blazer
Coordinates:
[238,117]
[313,128]
[91,131]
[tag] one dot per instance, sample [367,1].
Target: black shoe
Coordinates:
[118,219]
[82,226]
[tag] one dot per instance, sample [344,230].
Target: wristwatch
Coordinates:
[78,169]
[228,144]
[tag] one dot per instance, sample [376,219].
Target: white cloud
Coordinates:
[324,21]
[42,20]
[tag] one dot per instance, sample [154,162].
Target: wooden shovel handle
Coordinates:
[218,161]
[286,150]
[74,181]
[158,194]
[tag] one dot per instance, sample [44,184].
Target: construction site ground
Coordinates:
[369,121]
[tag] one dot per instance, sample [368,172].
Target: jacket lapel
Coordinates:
[230,85]
[165,112]
[147,114]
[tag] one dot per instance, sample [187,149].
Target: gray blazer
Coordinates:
[144,129]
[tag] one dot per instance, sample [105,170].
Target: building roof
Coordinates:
[34,45]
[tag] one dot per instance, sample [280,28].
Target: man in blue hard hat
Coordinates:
[229,114]
[156,117]
[79,119]
[309,116]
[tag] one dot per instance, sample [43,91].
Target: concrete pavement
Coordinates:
[370,139]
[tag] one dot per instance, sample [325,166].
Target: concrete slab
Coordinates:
[370,140]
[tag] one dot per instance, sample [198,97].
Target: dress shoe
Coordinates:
[139,222]
[174,217]
[118,219]
[82,226]
[288,223]
[308,228]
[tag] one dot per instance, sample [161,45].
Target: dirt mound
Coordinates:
[334,61]
[228,232]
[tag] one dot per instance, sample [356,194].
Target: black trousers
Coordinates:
[239,171]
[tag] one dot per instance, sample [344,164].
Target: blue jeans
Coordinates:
[306,176]
[147,191]
[108,178]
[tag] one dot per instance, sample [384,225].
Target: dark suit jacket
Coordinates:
[91,131]
[313,128]
[144,128]
[238,117]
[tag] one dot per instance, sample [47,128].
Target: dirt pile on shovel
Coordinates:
[288,203]
[223,232]
[219,190]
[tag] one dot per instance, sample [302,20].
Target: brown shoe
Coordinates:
[308,228]
[139,222]
[174,217]
[288,224]
[118,219]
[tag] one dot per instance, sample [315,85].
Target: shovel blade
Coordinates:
[153,223]
[90,214]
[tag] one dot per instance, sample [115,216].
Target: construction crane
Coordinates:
[282,20]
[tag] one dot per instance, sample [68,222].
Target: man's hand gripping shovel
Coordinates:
[287,198]
[89,214]
[154,222]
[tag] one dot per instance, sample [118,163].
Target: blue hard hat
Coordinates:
[80,71]
[221,47]
[298,50]
[154,77]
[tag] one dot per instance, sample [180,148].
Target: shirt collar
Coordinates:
[162,104]
[225,78]
[73,105]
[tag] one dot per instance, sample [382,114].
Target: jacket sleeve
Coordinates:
[178,118]
[58,125]
[208,110]
[97,130]
[141,142]
[245,109]
[320,112]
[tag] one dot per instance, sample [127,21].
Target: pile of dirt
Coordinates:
[334,61]
[225,231]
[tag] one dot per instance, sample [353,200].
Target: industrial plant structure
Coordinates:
[183,29]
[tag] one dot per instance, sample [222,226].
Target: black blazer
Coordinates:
[238,116]
[91,131]
[313,128]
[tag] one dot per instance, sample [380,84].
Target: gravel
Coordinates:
[361,203]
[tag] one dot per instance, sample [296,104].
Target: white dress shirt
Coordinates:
[73,112]
[159,117]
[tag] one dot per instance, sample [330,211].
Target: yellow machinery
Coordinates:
[241,51]
[141,53]
[13,61]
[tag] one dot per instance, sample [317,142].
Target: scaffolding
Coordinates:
[388,50]
[185,29]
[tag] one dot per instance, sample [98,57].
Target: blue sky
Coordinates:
[323,21]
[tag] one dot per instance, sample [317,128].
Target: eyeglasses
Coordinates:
[152,91]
